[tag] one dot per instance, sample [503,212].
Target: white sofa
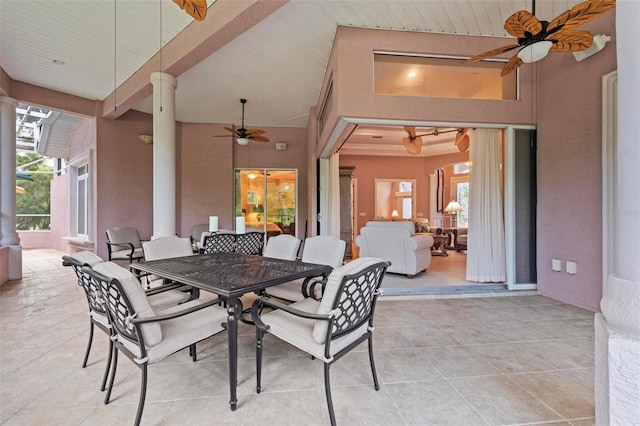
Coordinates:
[397,242]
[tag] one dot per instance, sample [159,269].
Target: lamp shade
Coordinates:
[394,213]
[453,207]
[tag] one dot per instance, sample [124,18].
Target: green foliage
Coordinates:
[37,200]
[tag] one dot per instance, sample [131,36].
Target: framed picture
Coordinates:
[252,197]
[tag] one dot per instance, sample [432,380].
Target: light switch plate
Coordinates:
[572,268]
[556,265]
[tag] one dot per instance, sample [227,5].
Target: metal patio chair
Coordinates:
[330,328]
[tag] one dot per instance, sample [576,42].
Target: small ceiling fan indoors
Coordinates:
[194,8]
[413,143]
[243,135]
[537,38]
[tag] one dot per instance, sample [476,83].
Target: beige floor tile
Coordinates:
[498,400]
[433,402]
[459,361]
[363,405]
[470,333]
[563,392]
[510,358]
[404,365]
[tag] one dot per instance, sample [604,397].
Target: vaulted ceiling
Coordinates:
[273,52]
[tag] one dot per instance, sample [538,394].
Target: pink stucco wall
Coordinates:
[570,171]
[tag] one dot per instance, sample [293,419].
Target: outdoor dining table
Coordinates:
[231,275]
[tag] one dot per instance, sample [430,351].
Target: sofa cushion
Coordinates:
[395,224]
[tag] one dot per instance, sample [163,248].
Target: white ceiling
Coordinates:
[277,64]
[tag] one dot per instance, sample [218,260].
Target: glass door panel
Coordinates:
[267,199]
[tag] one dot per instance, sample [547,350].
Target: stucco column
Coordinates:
[617,328]
[164,154]
[8,234]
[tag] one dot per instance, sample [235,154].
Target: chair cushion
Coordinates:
[124,254]
[167,299]
[151,331]
[179,333]
[331,291]
[324,250]
[87,257]
[282,247]
[298,331]
[167,247]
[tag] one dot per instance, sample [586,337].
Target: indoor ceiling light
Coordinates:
[412,74]
[252,175]
[535,51]
[242,141]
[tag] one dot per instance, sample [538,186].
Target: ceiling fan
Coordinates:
[537,38]
[194,8]
[413,143]
[243,135]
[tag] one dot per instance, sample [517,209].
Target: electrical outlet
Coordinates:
[556,265]
[362,214]
[572,267]
[419,214]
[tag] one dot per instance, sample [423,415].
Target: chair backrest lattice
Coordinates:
[217,243]
[250,243]
[355,300]
[119,308]
[93,293]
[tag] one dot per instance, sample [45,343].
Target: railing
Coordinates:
[43,224]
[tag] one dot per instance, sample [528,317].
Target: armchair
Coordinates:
[330,328]
[322,250]
[398,243]
[123,243]
[143,336]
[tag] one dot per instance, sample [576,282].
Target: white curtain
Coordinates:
[486,259]
[330,196]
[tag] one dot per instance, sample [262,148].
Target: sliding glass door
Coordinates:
[267,198]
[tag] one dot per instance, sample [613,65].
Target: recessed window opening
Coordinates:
[438,77]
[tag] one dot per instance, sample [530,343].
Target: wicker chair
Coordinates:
[330,328]
[140,333]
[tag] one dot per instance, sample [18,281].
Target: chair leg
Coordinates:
[143,394]
[113,375]
[86,354]
[107,367]
[259,336]
[192,352]
[327,391]
[373,365]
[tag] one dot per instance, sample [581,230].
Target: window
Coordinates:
[439,77]
[459,184]
[80,198]
[267,199]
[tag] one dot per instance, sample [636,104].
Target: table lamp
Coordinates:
[453,208]
[394,214]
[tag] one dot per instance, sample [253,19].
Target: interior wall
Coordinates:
[570,171]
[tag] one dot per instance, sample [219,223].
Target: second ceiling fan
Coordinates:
[243,135]
[413,143]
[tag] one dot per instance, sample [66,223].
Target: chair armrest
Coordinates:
[309,285]
[175,314]
[163,288]
[419,242]
[256,308]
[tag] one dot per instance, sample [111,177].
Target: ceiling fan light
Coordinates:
[242,141]
[535,51]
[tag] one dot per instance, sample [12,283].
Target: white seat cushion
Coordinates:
[299,331]
[87,258]
[179,333]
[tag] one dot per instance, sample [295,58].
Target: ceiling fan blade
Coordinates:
[580,14]
[411,130]
[197,9]
[571,41]
[513,63]
[412,145]
[259,138]
[522,24]
[230,129]
[493,52]
[222,136]
[462,140]
[256,132]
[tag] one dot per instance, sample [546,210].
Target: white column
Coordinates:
[8,235]
[164,154]
[617,328]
